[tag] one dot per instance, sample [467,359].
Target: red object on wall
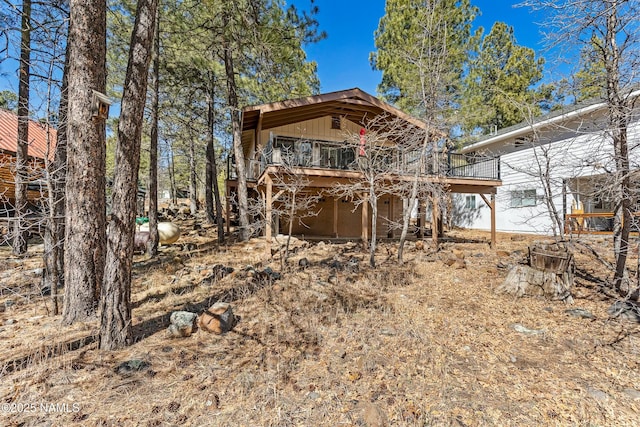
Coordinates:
[362,141]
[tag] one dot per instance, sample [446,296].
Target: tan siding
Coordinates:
[314,129]
[349,223]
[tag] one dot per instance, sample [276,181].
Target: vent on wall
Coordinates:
[336,122]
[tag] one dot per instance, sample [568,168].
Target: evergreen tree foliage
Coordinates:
[500,84]
[407,38]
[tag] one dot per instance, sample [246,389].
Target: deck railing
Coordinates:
[338,158]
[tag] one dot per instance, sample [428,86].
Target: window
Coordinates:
[470,202]
[522,198]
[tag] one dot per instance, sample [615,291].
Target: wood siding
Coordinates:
[319,129]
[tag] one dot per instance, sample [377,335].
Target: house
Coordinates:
[558,163]
[311,136]
[40,138]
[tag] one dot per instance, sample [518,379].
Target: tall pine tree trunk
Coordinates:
[22,172]
[85,238]
[154,237]
[115,304]
[193,177]
[212,167]
[243,205]
[210,154]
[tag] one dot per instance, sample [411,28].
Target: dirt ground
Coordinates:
[330,342]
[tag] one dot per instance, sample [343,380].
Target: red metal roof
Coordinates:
[38,136]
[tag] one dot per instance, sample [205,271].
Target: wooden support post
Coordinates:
[492,208]
[390,216]
[435,215]
[335,217]
[493,221]
[365,219]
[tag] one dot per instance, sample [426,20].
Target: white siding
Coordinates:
[578,156]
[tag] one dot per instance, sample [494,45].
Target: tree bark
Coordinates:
[619,120]
[86,211]
[212,167]
[193,177]
[22,172]
[154,237]
[243,205]
[115,304]
[210,155]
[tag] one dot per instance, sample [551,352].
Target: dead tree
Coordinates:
[610,28]
[376,159]
[22,176]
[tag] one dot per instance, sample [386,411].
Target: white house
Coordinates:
[560,162]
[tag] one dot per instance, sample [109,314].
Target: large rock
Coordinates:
[625,310]
[168,231]
[181,324]
[218,319]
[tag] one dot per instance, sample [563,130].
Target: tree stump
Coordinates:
[549,273]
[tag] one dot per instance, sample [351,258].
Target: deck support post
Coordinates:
[335,217]
[492,207]
[493,220]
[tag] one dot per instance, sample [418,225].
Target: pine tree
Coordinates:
[499,86]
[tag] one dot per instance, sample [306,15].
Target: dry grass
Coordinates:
[424,344]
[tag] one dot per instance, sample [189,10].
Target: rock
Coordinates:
[220,271]
[460,264]
[168,231]
[140,241]
[458,253]
[130,366]
[524,330]
[450,261]
[371,415]
[597,394]
[181,324]
[218,319]
[353,264]
[313,395]
[625,310]
[303,263]
[632,393]
[580,312]
[332,279]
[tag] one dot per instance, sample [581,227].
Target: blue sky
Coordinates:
[343,57]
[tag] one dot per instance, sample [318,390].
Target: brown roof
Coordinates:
[37,135]
[353,104]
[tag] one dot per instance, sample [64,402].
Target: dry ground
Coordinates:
[425,344]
